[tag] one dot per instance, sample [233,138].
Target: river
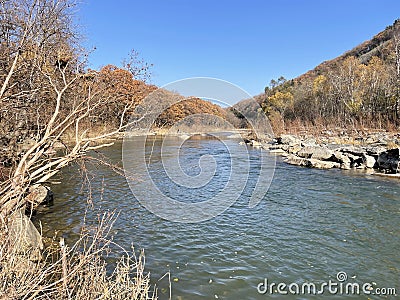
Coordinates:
[310,225]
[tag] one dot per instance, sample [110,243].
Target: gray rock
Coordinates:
[277,151]
[355,161]
[287,139]
[315,152]
[39,194]
[371,139]
[311,163]
[59,145]
[307,151]
[322,164]
[369,161]
[255,144]
[384,139]
[345,166]
[323,140]
[322,153]
[309,142]
[276,146]
[375,150]
[294,149]
[388,161]
[332,146]
[25,237]
[266,146]
[357,151]
[280,146]
[295,160]
[341,157]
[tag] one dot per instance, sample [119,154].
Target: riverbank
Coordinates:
[33,269]
[376,153]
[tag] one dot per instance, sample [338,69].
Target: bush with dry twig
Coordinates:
[73,272]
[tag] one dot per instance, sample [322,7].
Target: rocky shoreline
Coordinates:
[377,154]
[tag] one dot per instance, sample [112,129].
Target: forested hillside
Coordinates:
[359,89]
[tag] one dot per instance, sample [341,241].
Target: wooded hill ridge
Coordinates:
[381,45]
[358,90]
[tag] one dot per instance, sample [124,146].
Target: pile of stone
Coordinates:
[308,153]
[24,238]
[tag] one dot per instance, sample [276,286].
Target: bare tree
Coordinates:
[46,93]
[139,69]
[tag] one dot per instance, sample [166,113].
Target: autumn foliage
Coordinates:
[121,89]
[188,107]
[358,89]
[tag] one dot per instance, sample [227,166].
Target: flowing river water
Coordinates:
[310,225]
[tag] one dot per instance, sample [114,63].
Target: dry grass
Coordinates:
[298,126]
[336,131]
[392,145]
[76,272]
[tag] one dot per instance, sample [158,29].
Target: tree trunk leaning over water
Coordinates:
[46,94]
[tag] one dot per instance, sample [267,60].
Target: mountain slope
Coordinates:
[358,89]
[381,45]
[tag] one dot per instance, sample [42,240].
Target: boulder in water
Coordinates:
[388,161]
[25,237]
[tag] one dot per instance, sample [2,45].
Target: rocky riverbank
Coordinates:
[377,153]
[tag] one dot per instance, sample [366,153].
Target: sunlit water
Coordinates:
[311,225]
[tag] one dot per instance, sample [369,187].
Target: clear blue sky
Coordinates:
[245,42]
